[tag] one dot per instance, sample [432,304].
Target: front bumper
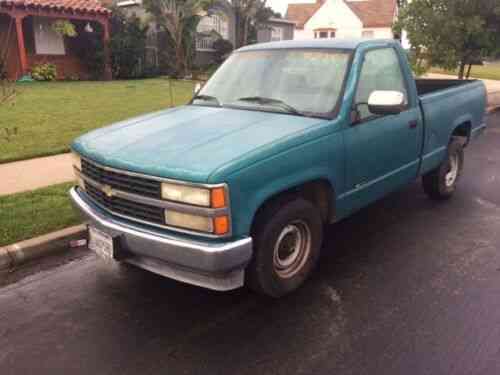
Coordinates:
[213,265]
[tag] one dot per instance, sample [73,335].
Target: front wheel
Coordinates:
[288,236]
[441,183]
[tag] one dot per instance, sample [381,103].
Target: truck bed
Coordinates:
[427,86]
[447,104]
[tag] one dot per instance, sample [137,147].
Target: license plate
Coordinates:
[101,243]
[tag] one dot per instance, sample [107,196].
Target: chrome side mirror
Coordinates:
[386,102]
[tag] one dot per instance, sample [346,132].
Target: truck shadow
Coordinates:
[366,263]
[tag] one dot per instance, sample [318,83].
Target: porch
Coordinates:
[27,37]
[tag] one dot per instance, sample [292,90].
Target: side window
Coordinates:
[381,70]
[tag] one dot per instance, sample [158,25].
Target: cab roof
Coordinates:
[348,44]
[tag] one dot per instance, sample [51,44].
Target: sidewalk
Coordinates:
[32,174]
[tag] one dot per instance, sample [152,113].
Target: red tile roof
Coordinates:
[372,13]
[83,6]
[300,13]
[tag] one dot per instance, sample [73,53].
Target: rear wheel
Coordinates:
[441,183]
[287,238]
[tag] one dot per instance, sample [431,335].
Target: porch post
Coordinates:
[107,54]
[20,43]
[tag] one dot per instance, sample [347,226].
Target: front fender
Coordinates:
[251,187]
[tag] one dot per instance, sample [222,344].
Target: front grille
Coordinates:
[121,181]
[126,207]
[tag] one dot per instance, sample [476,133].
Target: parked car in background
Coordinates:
[235,188]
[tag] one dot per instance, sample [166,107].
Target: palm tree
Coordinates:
[179,18]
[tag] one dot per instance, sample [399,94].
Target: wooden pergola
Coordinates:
[85,10]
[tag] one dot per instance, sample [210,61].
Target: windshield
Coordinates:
[296,81]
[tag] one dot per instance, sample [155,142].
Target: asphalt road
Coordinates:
[407,286]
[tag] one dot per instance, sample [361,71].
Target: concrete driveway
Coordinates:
[407,286]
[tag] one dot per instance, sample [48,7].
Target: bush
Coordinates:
[3,72]
[222,49]
[128,46]
[44,72]
[89,48]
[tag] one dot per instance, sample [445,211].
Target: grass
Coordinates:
[488,71]
[30,214]
[45,117]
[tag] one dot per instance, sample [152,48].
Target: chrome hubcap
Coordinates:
[292,249]
[452,174]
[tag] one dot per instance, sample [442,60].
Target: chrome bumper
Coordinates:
[213,265]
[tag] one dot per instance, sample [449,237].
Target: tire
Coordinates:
[441,183]
[287,243]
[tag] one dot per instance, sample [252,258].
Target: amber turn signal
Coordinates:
[221,225]
[218,199]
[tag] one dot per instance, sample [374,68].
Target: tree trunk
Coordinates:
[468,71]
[237,29]
[245,31]
[461,71]
[180,60]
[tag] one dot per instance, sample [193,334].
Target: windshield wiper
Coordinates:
[263,100]
[208,98]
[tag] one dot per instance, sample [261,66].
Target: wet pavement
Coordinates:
[406,286]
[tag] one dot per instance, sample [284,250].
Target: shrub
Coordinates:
[89,48]
[222,49]
[44,72]
[128,46]
[3,72]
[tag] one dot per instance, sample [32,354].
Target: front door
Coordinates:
[381,151]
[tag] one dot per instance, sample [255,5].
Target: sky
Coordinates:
[281,5]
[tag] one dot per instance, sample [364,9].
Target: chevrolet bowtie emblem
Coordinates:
[108,190]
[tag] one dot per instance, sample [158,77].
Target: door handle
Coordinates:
[413,124]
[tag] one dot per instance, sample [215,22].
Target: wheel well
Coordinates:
[463,132]
[318,192]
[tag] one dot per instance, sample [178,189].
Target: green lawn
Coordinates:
[489,71]
[48,116]
[30,214]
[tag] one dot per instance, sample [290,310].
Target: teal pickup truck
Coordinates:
[235,188]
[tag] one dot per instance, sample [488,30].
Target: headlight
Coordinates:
[215,198]
[217,225]
[183,220]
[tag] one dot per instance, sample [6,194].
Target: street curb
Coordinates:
[24,251]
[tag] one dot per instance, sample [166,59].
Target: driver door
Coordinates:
[382,152]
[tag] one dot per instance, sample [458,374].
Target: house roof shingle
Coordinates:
[83,6]
[300,13]
[372,13]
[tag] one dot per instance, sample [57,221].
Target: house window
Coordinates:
[368,34]
[276,34]
[217,23]
[323,34]
[47,41]
[332,34]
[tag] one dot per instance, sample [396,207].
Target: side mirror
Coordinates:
[197,88]
[386,102]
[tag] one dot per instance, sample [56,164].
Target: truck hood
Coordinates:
[191,142]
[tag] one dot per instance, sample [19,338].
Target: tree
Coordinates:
[127,45]
[247,13]
[450,33]
[179,18]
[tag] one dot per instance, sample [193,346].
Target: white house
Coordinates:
[343,19]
